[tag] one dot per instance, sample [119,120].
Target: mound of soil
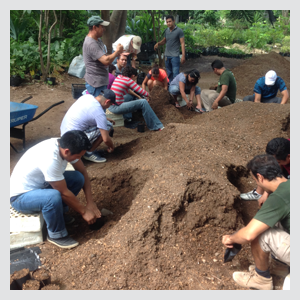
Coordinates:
[173,194]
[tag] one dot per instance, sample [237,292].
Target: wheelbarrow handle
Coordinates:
[55,104]
[26,99]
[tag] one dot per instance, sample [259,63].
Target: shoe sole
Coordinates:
[93,160]
[64,247]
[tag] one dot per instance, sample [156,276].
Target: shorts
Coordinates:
[93,132]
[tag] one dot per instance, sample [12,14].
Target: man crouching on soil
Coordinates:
[269,230]
[39,183]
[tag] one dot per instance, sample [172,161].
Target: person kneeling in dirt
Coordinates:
[280,149]
[156,76]
[224,92]
[186,83]
[269,230]
[39,183]
[87,114]
[120,86]
[266,88]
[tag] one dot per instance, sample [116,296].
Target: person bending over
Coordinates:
[156,76]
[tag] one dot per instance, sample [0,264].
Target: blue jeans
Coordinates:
[128,60]
[128,98]
[174,90]
[172,66]
[149,115]
[49,202]
[95,91]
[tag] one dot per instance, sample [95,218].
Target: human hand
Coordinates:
[93,207]
[262,200]
[215,105]
[89,216]
[156,46]
[110,150]
[226,241]
[120,48]
[189,104]
[182,60]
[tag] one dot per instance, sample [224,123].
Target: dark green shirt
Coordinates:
[277,207]
[227,78]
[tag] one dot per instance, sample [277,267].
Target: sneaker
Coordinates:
[95,157]
[160,129]
[127,120]
[64,242]
[253,280]
[253,195]
[68,219]
[277,268]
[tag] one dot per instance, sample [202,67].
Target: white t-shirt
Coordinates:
[86,112]
[38,165]
[125,40]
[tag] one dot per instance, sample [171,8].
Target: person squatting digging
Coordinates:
[280,149]
[186,83]
[266,88]
[40,183]
[156,76]
[88,115]
[269,230]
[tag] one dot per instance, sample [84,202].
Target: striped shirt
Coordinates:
[121,85]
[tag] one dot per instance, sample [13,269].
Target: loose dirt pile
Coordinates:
[173,194]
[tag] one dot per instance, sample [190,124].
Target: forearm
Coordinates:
[183,49]
[108,142]
[108,59]
[130,92]
[285,98]
[70,199]
[221,95]
[162,42]
[240,237]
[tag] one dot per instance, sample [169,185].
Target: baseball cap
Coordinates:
[96,20]
[137,42]
[270,78]
[110,95]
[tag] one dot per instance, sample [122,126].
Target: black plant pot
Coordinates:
[50,80]
[15,80]
[37,77]
[141,127]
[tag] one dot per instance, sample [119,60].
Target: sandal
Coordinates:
[177,105]
[199,110]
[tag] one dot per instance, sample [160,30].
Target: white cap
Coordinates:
[137,42]
[270,78]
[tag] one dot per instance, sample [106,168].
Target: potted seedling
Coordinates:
[17,73]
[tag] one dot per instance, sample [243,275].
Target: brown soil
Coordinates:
[32,285]
[51,287]
[173,193]
[20,274]
[42,275]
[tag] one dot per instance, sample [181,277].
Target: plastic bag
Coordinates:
[77,67]
[230,253]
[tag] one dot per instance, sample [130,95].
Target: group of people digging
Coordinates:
[40,182]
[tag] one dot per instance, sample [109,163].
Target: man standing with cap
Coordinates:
[95,58]
[266,88]
[87,114]
[131,45]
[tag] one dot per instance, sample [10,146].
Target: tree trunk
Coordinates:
[40,47]
[116,27]
[46,25]
[106,38]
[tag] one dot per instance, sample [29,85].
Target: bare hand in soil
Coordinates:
[215,105]
[110,150]
[189,105]
[89,216]
[93,207]
[226,240]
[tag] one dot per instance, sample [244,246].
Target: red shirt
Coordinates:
[121,85]
[161,76]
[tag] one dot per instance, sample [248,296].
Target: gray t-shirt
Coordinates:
[118,72]
[179,77]
[96,73]
[173,41]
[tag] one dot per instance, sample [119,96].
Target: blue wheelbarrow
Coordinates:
[23,113]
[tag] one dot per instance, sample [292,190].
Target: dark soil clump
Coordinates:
[51,287]
[32,285]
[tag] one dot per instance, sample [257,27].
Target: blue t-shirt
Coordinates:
[268,92]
